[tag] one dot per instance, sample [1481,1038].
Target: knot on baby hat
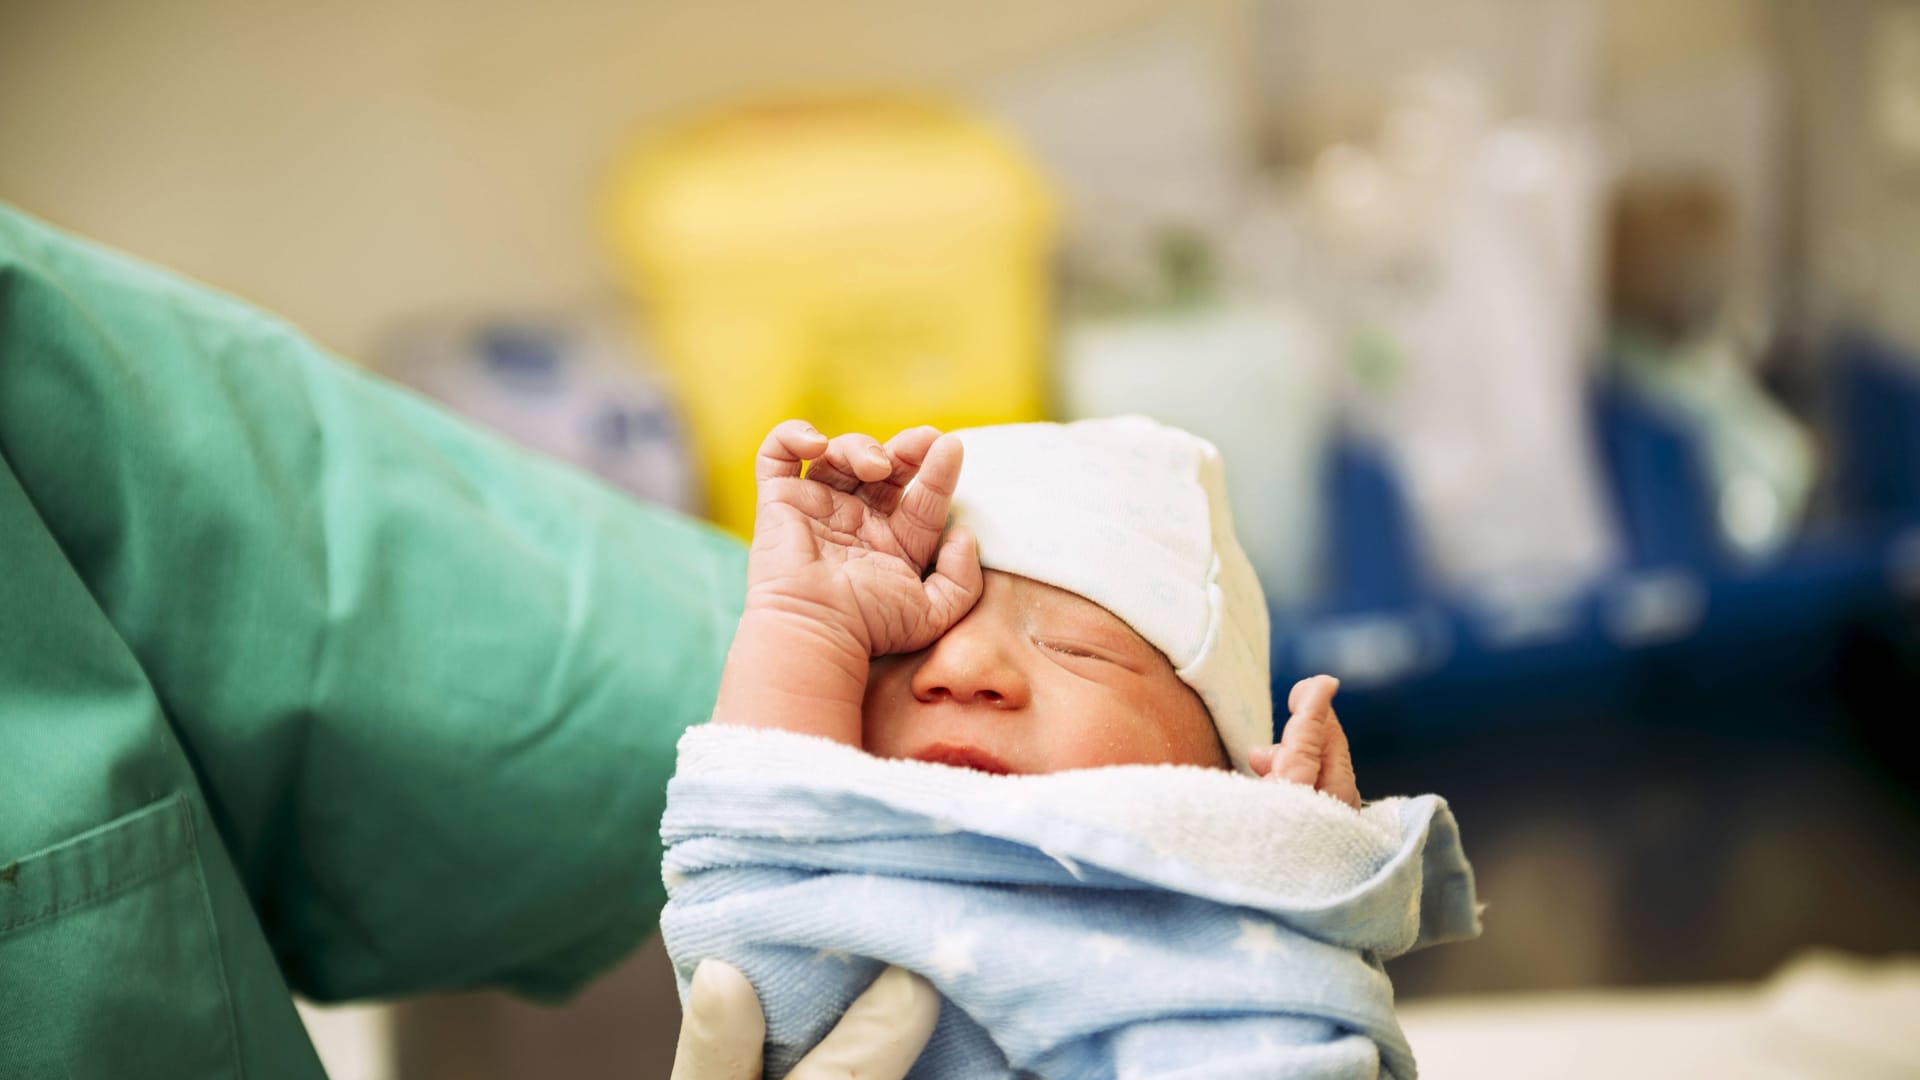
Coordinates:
[1132,515]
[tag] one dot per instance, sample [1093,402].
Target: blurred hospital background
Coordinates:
[1565,354]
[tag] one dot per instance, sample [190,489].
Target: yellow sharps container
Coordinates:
[867,264]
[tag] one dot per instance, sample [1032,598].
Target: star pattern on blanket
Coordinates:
[1106,947]
[1258,940]
[997,920]
[953,954]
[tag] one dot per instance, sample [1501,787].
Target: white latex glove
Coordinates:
[879,1038]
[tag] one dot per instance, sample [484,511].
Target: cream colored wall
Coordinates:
[1650,38]
[1860,198]
[353,164]
[350,164]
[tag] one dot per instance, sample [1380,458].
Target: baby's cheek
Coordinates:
[1094,731]
[1192,737]
[885,709]
[1141,728]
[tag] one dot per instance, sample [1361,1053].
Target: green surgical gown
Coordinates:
[304,684]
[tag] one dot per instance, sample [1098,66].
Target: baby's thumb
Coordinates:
[1308,736]
[955,584]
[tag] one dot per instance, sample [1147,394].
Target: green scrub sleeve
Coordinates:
[429,684]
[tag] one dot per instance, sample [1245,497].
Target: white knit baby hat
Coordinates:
[1132,515]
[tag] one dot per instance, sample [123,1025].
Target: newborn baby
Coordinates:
[845,637]
[1005,724]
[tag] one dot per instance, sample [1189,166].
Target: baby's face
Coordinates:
[1036,680]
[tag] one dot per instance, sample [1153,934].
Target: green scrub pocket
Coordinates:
[112,967]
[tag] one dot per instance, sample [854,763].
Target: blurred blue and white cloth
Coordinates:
[1128,922]
[576,389]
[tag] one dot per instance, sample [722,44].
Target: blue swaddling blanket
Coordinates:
[1136,921]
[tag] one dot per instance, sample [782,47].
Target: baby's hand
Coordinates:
[1313,747]
[847,546]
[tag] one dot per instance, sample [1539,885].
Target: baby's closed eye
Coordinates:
[1080,653]
[1068,648]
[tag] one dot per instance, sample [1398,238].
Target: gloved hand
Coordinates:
[879,1038]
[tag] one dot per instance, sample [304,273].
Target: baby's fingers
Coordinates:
[851,460]
[1336,769]
[922,515]
[1260,758]
[785,447]
[908,450]
[1313,748]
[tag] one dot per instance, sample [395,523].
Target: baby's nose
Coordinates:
[970,669]
[981,696]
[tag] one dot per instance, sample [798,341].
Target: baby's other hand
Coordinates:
[848,544]
[1313,748]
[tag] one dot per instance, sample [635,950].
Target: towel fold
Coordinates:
[1134,921]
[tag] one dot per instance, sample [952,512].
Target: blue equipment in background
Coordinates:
[1681,622]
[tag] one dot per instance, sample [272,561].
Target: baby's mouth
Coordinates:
[963,757]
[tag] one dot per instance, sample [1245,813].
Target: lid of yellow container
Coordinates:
[784,177]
